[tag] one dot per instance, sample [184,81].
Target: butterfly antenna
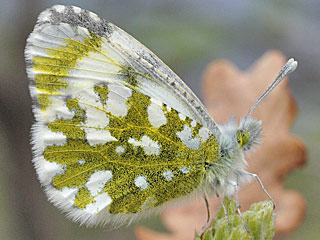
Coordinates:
[289,67]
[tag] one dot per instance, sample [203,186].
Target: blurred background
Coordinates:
[186,35]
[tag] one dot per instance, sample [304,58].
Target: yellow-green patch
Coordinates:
[132,161]
[56,66]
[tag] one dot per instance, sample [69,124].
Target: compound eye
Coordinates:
[243,137]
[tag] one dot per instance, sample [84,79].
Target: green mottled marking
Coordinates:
[79,113]
[70,128]
[57,65]
[129,75]
[133,162]
[83,194]
[43,100]
[102,92]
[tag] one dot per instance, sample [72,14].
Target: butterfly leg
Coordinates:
[207,206]
[260,183]
[209,220]
[207,225]
[223,206]
[221,202]
[235,185]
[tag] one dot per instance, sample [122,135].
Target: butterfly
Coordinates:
[117,134]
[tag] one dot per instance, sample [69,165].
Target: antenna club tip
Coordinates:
[292,65]
[290,60]
[289,67]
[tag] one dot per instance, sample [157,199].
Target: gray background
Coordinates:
[185,34]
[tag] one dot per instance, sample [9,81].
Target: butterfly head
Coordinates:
[249,133]
[236,139]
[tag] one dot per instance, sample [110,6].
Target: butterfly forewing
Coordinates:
[113,133]
[139,66]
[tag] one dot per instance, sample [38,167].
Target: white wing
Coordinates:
[74,60]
